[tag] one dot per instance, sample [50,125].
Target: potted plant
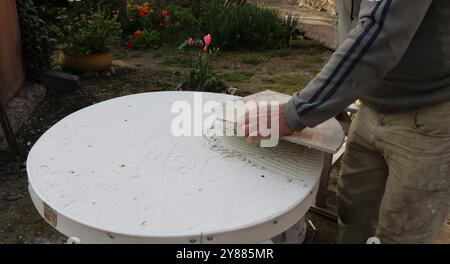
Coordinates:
[86,39]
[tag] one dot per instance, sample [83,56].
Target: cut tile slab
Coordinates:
[328,136]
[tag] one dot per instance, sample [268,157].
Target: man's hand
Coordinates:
[253,123]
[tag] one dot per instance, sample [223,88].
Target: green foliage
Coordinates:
[199,74]
[247,26]
[292,25]
[110,6]
[200,77]
[37,44]
[87,34]
[173,23]
[118,7]
[198,7]
[147,40]
[48,9]
[183,22]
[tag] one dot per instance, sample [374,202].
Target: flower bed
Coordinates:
[151,25]
[248,26]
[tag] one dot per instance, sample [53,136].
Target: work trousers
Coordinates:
[395,176]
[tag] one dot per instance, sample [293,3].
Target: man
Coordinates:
[393,55]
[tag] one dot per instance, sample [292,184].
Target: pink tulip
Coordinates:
[201,43]
[208,39]
[205,49]
[191,42]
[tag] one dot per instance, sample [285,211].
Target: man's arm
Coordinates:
[373,48]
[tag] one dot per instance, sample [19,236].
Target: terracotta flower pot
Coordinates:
[87,63]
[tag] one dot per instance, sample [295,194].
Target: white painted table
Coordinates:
[114,173]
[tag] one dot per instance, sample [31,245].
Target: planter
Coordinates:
[87,63]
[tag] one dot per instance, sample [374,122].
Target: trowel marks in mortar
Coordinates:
[293,162]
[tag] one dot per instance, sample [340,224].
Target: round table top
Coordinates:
[115,168]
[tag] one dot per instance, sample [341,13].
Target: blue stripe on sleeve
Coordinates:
[355,62]
[345,58]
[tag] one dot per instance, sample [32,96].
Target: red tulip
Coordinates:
[137,33]
[208,39]
[162,24]
[191,42]
[164,13]
[143,11]
[201,43]
[129,44]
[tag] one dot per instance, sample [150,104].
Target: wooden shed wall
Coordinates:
[11,69]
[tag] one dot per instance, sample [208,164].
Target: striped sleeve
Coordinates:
[373,48]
